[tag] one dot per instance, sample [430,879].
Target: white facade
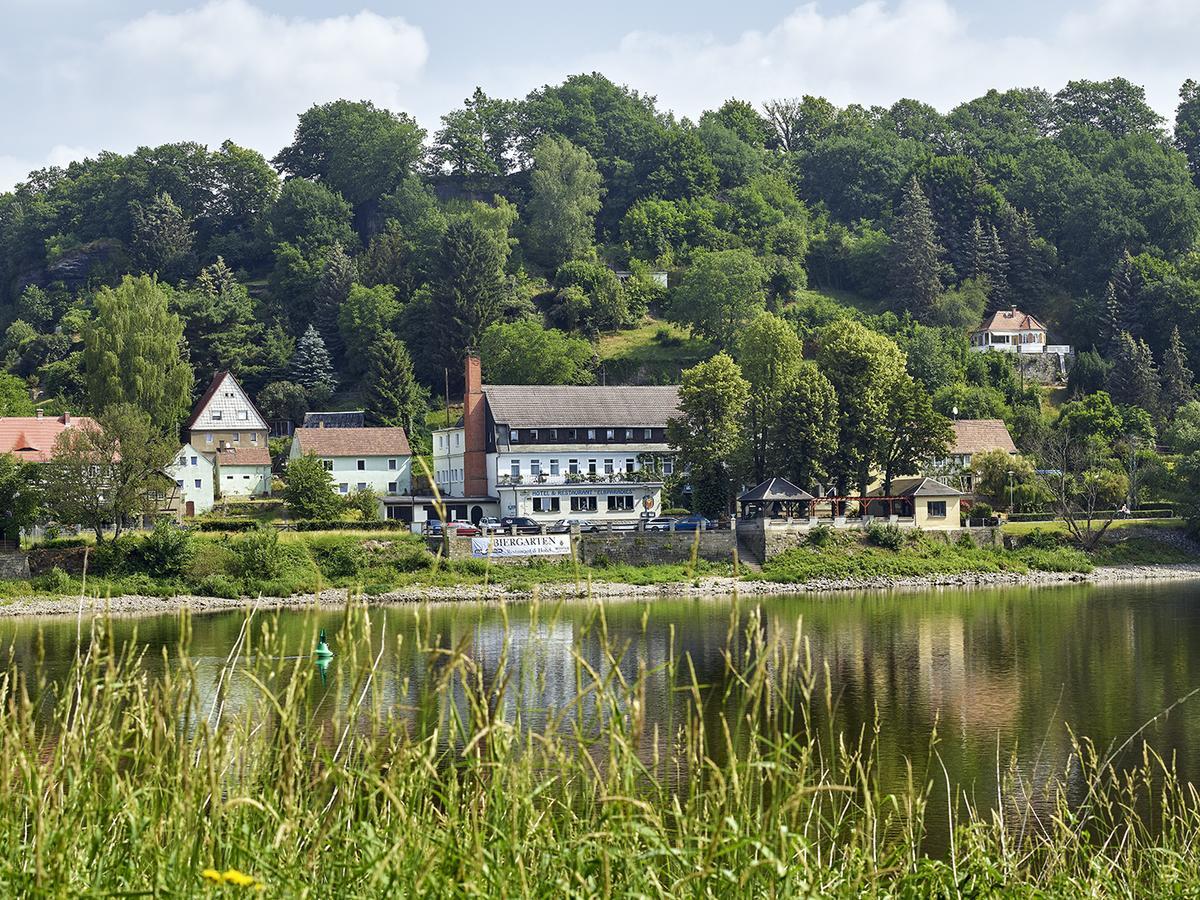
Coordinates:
[448,448]
[244,480]
[388,475]
[192,473]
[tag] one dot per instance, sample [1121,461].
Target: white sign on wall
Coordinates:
[521,545]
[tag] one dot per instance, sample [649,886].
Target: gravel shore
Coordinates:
[140,605]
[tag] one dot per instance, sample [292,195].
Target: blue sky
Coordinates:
[78,76]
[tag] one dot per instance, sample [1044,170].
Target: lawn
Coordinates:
[655,352]
[1059,527]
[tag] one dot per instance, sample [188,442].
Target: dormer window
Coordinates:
[609,434]
[515,435]
[242,415]
[216,415]
[533,435]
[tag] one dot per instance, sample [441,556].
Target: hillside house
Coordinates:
[358,459]
[32,438]
[971,437]
[194,478]
[1012,331]
[243,471]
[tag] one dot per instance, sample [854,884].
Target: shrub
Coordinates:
[674,511]
[821,536]
[966,541]
[225,525]
[366,503]
[166,551]
[56,581]
[258,554]
[112,557]
[1043,540]
[890,537]
[415,561]
[309,492]
[339,560]
[664,338]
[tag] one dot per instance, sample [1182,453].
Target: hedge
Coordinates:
[1161,511]
[300,525]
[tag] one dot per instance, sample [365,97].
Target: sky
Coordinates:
[80,76]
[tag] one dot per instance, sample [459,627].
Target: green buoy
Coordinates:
[323,651]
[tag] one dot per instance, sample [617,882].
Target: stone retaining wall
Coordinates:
[14,564]
[654,547]
[69,559]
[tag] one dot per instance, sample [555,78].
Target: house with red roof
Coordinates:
[32,438]
[1010,331]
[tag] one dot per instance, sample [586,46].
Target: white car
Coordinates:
[562,526]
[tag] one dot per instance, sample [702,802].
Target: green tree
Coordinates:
[477,140]
[603,304]
[391,394]
[310,217]
[770,355]
[565,197]
[332,290]
[14,396]
[20,496]
[916,254]
[1187,126]
[283,400]
[523,352]
[312,368]
[1089,373]
[132,353]
[720,293]
[220,324]
[162,237]
[308,490]
[911,432]
[804,432]
[992,480]
[1115,106]
[1133,378]
[864,368]
[467,289]
[100,475]
[1178,382]
[366,316]
[356,149]
[708,432]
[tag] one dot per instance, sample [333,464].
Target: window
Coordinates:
[554,467]
[591,434]
[392,488]
[458,439]
[628,465]
[237,437]
[327,465]
[554,434]
[535,467]
[572,434]
[609,434]
[936,509]
[514,468]
[647,433]
[361,465]
[254,437]
[629,434]
[591,467]
[229,478]
[216,415]
[343,488]
[197,482]
[608,467]
[533,435]
[573,466]
[183,461]
[620,502]
[391,465]
[242,415]
[583,504]
[362,485]
[195,461]
[208,439]
[668,466]
[179,482]
[545,504]
[245,478]
[515,435]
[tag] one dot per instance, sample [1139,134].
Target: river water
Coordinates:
[1006,676]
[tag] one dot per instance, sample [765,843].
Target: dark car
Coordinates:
[523,524]
[694,522]
[433,527]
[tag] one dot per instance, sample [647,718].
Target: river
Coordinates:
[1006,676]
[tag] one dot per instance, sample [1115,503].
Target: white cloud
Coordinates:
[878,51]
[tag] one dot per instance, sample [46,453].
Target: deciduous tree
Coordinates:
[565,197]
[523,352]
[720,293]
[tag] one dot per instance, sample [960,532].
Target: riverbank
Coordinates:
[708,586]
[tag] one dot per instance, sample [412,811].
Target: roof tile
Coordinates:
[383,441]
[562,406]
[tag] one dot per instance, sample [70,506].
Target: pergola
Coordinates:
[775,498]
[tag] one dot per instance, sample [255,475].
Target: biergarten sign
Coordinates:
[498,545]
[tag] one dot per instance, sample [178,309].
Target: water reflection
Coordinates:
[1002,676]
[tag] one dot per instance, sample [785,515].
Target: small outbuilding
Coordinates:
[773,499]
[928,502]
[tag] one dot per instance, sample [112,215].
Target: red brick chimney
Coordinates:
[475,481]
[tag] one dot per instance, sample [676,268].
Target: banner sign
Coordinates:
[521,545]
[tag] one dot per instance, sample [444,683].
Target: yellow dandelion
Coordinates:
[213,875]
[241,879]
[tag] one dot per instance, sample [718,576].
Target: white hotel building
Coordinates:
[550,452]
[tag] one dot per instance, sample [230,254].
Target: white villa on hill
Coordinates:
[1012,331]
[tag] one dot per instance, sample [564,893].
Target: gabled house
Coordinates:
[226,417]
[243,471]
[32,438]
[360,458]
[1011,331]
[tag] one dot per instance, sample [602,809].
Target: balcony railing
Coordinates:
[641,476]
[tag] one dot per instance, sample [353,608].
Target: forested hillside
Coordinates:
[358,264]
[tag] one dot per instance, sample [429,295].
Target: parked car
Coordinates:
[463,528]
[694,522]
[523,524]
[433,527]
[660,523]
[488,524]
[562,526]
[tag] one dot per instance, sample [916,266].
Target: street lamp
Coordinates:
[1010,491]
[954,412]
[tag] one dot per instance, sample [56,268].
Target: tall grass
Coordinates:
[347,783]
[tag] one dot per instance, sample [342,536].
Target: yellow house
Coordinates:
[927,502]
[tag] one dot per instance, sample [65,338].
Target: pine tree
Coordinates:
[467,288]
[994,261]
[311,366]
[337,277]
[975,262]
[1126,286]
[1178,382]
[1133,379]
[1110,330]
[393,396]
[916,254]
[1029,259]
